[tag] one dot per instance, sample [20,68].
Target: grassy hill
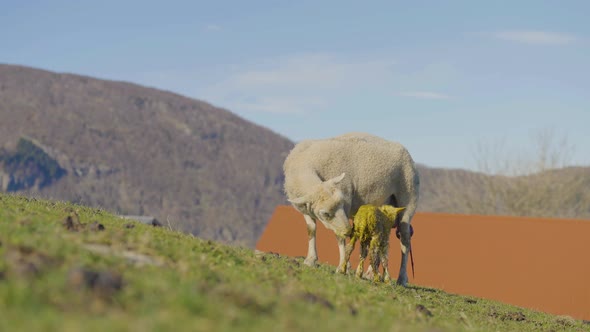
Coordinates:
[137,150]
[70,268]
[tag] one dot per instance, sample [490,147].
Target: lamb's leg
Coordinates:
[364,252]
[312,253]
[385,263]
[374,258]
[370,273]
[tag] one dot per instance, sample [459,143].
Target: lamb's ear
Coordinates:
[337,179]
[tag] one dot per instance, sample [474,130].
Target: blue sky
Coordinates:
[440,77]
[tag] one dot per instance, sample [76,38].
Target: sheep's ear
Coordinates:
[301,203]
[337,179]
[298,200]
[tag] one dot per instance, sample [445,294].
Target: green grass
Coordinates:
[154,279]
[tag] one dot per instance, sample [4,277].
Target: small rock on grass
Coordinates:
[71,223]
[96,227]
[423,310]
[104,283]
[313,298]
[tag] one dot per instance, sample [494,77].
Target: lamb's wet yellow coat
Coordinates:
[372,227]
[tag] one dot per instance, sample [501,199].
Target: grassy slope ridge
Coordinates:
[66,267]
[138,150]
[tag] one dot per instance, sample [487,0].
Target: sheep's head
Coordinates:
[326,203]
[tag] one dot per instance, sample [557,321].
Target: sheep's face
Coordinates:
[330,211]
[325,202]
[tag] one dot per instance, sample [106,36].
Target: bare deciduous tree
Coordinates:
[523,183]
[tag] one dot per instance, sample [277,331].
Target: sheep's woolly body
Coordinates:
[372,227]
[375,169]
[334,177]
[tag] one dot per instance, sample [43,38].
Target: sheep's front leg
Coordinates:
[342,251]
[348,252]
[312,253]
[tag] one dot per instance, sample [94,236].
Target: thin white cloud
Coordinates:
[212,27]
[424,95]
[313,70]
[536,37]
[277,105]
[295,84]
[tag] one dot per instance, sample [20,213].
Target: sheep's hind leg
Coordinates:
[312,253]
[402,279]
[409,199]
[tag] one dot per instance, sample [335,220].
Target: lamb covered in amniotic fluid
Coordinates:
[371,227]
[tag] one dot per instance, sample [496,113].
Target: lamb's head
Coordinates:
[326,203]
[393,213]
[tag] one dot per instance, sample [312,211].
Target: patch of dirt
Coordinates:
[104,284]
[26,262]
[471,301]
[423,310]
[513,316]
[24,222]
[313,298]
[129,226]
[72,223]
[263,256]
[353,311]
[294,263]
[245,301]
[131,256]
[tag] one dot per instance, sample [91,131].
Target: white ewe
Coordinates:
[329,179]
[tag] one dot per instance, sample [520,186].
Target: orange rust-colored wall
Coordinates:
[542,264]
